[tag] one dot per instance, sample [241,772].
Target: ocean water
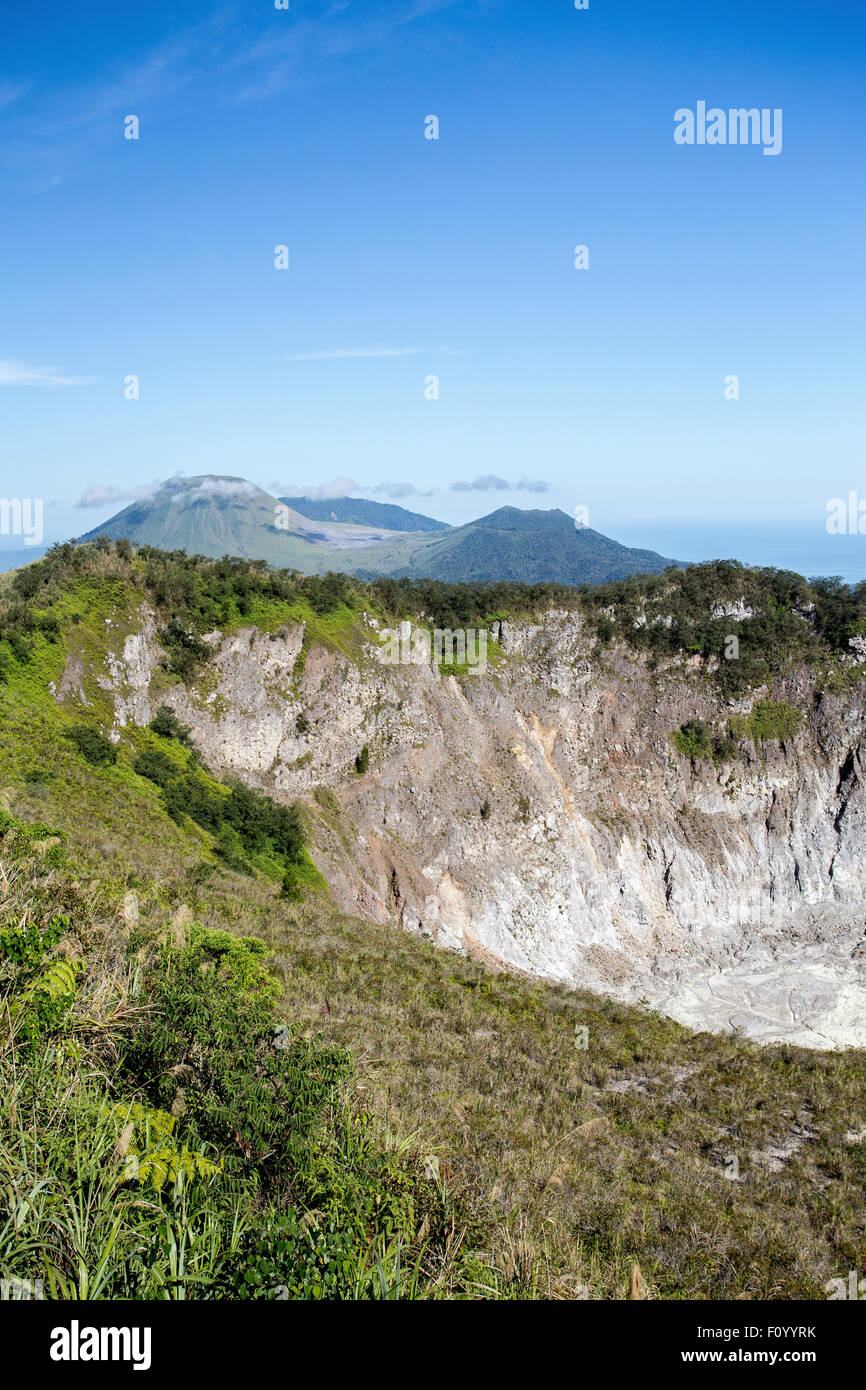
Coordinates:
[11,559]
[805,549]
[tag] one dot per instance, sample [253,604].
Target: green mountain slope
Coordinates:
[214,517]
[362,512]
[530,547]
[228,516]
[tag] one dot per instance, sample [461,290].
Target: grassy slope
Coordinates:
[487,1071]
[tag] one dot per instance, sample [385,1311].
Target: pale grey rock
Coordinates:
[728,897]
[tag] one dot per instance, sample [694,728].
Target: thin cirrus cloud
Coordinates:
[18,374]
[222,54]
[490,483]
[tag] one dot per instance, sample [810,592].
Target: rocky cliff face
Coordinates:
[725,896]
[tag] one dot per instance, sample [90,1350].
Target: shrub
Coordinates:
[291,888]
[156,767]
[27,944]
[255,1099]
[167,725]
[230,848]
[770,719]
[774,719]
[725,748]
[692,739]
[184,650]
[362,762]
[93,745]
[22,649]
[298,1259]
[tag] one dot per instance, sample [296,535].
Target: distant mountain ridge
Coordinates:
[217,516]
[362,512]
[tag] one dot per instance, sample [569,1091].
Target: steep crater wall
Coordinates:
[728,896]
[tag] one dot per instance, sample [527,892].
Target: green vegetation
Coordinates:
[167,725]
[164,1134]
[696,739]
[93,745]
[770,719]
[793,622]
[215,1084]
[183,1118]
[693,739]
[362,761]
[667,616]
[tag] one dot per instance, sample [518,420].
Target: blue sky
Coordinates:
[411,257]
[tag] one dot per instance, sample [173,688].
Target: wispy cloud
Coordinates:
[18,374]
[340,487]
[220,487]
[490,483]
[348,487]
[105,494]
[228,57]
[398,490]
[101,495]
[329,353]
[533,485]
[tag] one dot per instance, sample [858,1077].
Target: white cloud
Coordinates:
[490,483]
[17,374]
[348,487]
[398,490]
[340,487]
[222,487]
[104,495]
[99,495]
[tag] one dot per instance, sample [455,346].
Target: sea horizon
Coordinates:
[805,548]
